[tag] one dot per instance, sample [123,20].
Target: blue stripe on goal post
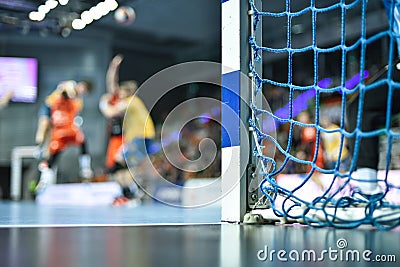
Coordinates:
[234,153]
[231,100]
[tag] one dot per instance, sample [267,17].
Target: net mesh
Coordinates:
[327,69]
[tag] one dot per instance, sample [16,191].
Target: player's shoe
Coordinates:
[85,170]
[380,210]
[126,202]
[86,173]
[46,178]
[365,199]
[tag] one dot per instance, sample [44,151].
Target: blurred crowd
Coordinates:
[179,166]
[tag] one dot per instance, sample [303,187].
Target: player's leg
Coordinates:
[85,163]
[373,117]
[47,174]
[374,113]
[114,144]
[74,136]
[130,194]
[125,180]
[133,153]
[116,167]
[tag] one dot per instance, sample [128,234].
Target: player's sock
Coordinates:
[117,166]
[47,177]
[127,192]
[85,166]
[367,181]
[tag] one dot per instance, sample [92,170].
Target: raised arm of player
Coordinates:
[112,79]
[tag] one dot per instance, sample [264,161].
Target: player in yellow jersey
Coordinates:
[134,136]
[332,146]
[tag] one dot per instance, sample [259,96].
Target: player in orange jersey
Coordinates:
[58,118]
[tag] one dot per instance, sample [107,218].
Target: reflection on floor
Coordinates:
[196,245]
[159,235]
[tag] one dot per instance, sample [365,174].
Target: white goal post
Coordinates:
[237,159]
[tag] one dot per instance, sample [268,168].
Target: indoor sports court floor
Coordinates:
[160,235]
[153,234]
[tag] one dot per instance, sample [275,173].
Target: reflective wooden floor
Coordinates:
[158,235]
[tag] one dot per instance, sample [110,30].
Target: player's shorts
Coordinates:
[114,146]
[64,137]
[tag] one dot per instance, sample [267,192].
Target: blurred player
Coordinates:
[373,118]
[128,143]
[57,129]
[332,146]
[308,146]
[113,107]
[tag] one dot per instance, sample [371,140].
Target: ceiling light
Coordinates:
[103,8]
[78,24]
[111,4]
[51,4]
[63,2]
[36,16]
[44,9]
[86,17]
[96,12]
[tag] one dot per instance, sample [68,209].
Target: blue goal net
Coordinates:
[330,73]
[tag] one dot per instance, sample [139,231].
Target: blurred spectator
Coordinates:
[308,147]
[332,145]
[309,141]
[190,137]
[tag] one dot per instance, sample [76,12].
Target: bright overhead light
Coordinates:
[44,9]
[103,8]
[78,24]
[111,4]
[51,4]
[63,2]
[86,17]
[96,12]
[36,16]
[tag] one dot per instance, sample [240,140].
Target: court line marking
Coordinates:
[76,225]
